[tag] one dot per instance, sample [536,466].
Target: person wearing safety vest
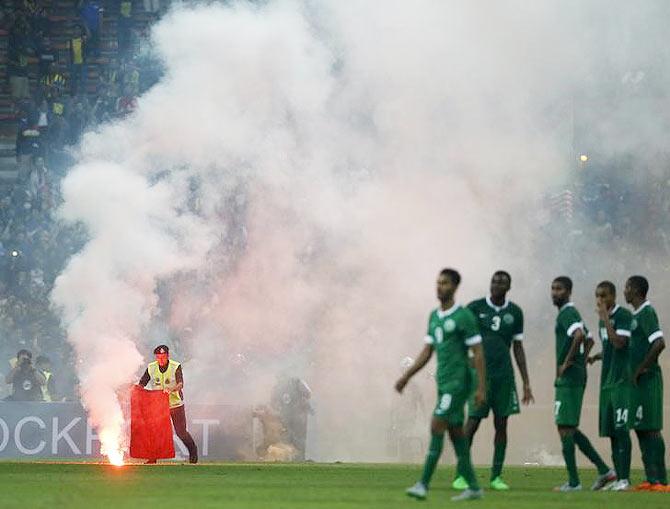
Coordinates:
[165,374]
[43,364]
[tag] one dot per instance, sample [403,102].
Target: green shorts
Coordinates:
[568,405]
[501,398]
[613,409]
[646,403]
[450,405]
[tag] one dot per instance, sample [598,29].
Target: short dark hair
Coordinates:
[639,284]
[609,285]
[453,275]
[24,351]
[565,281]
[502,273]
[161,349]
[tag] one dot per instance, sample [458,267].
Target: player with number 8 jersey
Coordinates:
[452,333]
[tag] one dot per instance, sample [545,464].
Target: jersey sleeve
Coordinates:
[571,321]
[428,338]
[651,327]
[470,329]
[517,333]
[622,324]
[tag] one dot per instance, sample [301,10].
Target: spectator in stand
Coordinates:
[46,56]
[17,53]
[27,140]
[26,381]
[39,185]
[43,119]
[77,120]
[40,21]
[90,12]
[127,103]
[78,55]
[53,84]
[124,26]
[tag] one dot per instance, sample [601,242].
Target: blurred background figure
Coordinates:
[43,365]
[25,379]
[291,401]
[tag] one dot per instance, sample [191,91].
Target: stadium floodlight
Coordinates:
[14,253]
[583,158]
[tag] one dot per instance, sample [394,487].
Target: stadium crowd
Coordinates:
[58,92]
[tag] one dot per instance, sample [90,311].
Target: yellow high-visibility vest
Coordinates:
[46,395]
[160,381]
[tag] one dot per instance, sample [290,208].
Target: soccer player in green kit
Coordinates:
[646,401]
[572,348]
[614,331]
[452,331]
[501,325]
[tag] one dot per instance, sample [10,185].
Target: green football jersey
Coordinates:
[499,326]
[644,331]
[567,322]
[615,361]
[451,332]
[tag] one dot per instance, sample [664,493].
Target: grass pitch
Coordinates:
[290,486]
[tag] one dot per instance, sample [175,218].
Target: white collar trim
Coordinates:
[642,306]
[614,309]
[447,312]
[493,306]
[566,305]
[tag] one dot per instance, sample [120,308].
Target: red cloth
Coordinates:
[150,425]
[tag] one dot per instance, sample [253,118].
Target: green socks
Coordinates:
[498,458]
[647,457]
[568,445]
[621,453]
[462,448]
[433,456]
[585,446]
[656,453]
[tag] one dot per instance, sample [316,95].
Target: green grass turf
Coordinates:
[291,486]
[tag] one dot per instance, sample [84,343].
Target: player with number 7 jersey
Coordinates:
[572,347]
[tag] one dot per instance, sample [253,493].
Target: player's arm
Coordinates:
[588,345]
[618,337]
[145,379]
[418,364]
[657,346]
[480,366]
[578,339]
[520,358]
[179,378]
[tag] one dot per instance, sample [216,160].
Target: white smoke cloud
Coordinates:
[343,152]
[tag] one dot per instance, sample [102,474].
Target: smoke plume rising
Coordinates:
[285,196]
